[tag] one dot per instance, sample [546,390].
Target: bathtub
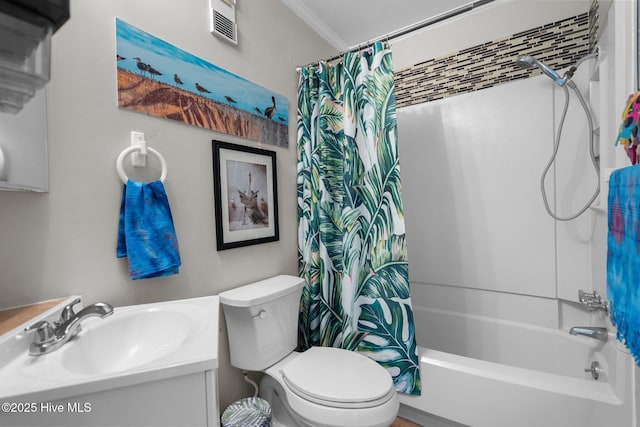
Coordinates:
[484,372]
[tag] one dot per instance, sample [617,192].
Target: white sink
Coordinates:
[127,340]
[135,344]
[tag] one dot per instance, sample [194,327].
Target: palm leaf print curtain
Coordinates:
[351,238]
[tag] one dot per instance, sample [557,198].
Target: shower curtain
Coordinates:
[351,239]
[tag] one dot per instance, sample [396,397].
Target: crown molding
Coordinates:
[311,19]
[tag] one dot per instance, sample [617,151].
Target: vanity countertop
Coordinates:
[14,317]
[137,344]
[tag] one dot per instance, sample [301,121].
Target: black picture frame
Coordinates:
[246,195]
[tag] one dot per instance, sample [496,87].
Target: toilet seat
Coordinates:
[338,378]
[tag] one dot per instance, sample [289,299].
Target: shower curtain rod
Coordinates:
[409,29]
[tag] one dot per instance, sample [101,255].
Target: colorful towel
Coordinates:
[623,256]
[146,234]
[628,133]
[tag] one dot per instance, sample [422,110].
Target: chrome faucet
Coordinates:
[591,301]
[595,332]
[49,338]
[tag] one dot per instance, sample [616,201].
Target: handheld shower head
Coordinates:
[527,61]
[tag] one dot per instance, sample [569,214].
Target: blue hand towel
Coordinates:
[146,234]
[623,256]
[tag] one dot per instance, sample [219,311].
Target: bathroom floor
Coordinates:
[401,422]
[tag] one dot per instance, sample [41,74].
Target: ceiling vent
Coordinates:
[222,22]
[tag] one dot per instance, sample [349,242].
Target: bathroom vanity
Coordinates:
[150,364]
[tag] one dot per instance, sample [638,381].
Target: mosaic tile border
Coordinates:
[558,44]
[594,25]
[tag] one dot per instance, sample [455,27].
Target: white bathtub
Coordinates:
[483,372]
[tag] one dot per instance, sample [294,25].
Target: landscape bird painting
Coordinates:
[157,78]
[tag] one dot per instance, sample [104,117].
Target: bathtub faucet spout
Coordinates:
[598,333]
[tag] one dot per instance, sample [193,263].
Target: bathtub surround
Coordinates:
[352,250]
[490,255]
[490,249]
[466,140]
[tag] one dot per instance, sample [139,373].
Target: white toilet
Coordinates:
[322,386]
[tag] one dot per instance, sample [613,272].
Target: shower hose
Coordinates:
[556,146]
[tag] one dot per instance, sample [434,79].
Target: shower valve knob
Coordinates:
[595,370]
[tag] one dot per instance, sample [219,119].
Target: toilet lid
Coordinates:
[338,378]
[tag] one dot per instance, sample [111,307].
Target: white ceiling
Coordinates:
[345,24]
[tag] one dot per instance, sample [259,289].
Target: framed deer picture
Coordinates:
[246,198]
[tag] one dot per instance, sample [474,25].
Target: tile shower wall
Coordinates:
[558,44]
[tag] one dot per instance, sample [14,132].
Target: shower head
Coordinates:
[527,61]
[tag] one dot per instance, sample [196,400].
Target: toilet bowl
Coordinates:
[321,387]
[331,387]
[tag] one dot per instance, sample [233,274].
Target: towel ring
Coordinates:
[120,167]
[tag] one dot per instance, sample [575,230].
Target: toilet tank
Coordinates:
[262,321]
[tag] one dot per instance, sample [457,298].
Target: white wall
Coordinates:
[498,19]
[63,242]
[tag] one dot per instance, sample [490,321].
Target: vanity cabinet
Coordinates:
[185,400]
